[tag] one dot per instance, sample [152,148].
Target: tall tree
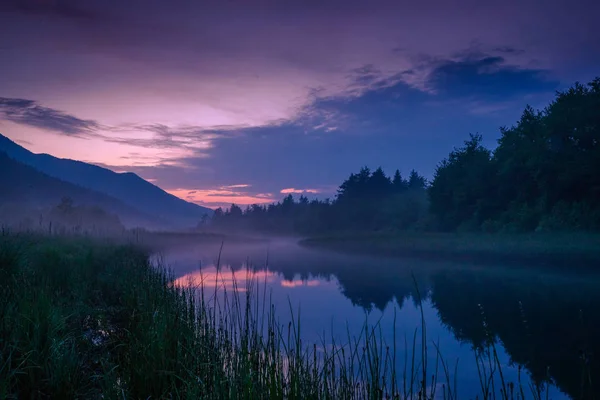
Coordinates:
[416,181]
[462,186]
[399,183]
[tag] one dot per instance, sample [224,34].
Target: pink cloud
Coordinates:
[222,196]
[298,191]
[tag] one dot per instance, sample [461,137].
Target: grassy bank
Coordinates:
[563,250]
[82,319]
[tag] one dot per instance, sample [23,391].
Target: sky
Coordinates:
[246,101]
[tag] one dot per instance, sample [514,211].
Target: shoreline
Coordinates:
[547,250]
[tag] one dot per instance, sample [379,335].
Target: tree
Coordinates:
[548,163]
[399,183]
[462,186]
[416,181]
[203,220]
[235,211]
[379,184]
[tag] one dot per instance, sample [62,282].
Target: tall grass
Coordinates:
[80,319]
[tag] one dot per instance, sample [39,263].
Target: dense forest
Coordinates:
[544,175]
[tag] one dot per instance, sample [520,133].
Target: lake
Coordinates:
[544,323]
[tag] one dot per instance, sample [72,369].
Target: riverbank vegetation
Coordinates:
[82,319]
[543,176]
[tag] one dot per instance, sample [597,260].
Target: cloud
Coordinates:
[223,196]
[24,142]
[193,140]
[237,186]
[472,80]
[509,50]
[487,76]
[197,139]
[29,112]
[250,63]
[298,191]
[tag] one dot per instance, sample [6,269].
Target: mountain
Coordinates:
[126,187]
[26,190]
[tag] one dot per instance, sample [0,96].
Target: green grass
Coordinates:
[559,249]
[83,319]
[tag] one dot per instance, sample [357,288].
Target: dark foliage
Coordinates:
[544,174]
[365,201]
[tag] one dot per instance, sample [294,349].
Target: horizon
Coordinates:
[250,101]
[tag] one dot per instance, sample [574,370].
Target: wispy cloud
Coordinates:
[24,142]
[223,196]
[298,191]
[486,76]
[29,112]
[237,186]
[195,140]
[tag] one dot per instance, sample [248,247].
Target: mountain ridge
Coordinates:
[127,187]
[30,190]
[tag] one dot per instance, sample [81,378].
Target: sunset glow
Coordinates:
[222,197]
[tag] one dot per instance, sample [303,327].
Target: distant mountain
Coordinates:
[28,190]
[126,187]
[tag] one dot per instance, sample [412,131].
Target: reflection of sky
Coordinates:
[325,313]
[224,278]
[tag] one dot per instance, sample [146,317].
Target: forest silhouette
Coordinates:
[544,175]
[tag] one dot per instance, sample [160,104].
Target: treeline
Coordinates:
[365,201]
[543,175]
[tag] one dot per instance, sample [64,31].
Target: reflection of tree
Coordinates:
[364,281]
[546,327]
[367,291]
[367,286]
[541,321]
[378,286]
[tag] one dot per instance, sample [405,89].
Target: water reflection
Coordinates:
[547,323]
[300,282]
[225,278]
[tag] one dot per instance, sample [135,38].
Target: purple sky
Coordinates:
[223,100]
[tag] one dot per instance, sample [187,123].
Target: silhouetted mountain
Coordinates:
[126,187]
[26,190]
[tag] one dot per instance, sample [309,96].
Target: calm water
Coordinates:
[546,322]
